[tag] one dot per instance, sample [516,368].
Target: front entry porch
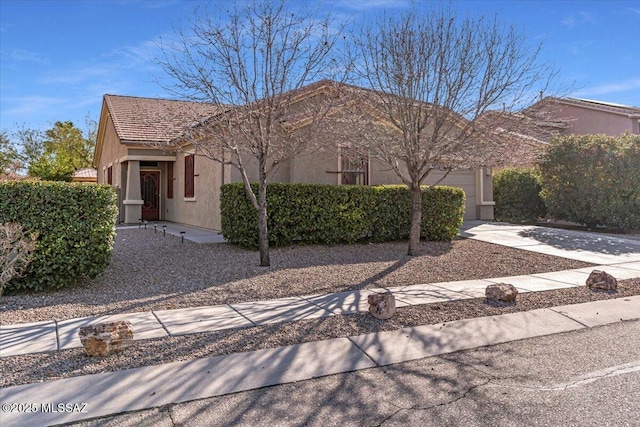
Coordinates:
[142,177]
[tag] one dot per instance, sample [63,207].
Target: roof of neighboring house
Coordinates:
[154,120]
[85,175]
[522,136]
[610,107]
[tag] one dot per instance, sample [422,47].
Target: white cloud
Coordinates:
[148,4]
[579,47]
[21,55]
[28,105]
[634,10]
[126,63]
[607,88]
[371,4]
[578,18]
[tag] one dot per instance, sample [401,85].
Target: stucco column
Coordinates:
[484,194]
[133,201]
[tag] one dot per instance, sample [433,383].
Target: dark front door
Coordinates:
[150,188]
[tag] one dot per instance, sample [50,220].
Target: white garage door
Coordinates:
[462,179]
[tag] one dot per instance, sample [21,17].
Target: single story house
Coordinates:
[157,177]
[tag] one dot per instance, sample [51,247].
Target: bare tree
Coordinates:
[433,76]
[16,252]
[252,63]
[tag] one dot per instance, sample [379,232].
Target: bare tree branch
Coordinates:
[252,66]
[434,76]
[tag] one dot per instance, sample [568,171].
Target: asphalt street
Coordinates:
[589,377]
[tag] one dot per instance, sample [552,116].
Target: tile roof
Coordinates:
[521,137]
[86,173]
[154,120]
[601,105]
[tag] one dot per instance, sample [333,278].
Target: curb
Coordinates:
[100,395]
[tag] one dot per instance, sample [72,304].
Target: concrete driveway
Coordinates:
[577,245]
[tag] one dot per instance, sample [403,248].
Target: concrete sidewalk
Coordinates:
[60,335]
[619,257]
[104,394]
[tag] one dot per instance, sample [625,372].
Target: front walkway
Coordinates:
[193,234]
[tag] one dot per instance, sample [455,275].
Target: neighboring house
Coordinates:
[523,135]
[585,116]
[136,153]
[85,175]
[529,132]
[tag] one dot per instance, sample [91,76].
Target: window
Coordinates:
[189,176]
[354,167]
[170,180]
[110,175]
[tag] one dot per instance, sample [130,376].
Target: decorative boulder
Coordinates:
[103,339]
[601,280]
[382,306]
[501,292]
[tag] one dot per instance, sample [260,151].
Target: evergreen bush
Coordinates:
[593,180]
[516,192]
[329,214]
[75,225]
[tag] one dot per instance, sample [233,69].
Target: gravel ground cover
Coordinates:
[152,272]
[26,369]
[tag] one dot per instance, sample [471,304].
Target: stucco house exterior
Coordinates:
[531,130]
[158,177]
[584,116]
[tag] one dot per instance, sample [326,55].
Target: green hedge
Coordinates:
[329,214]
[75,224]
[593,180]
[516,192]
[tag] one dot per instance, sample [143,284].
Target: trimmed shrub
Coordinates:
[516,192]
[593,180]
[75,224]
[442,213]
[391,215]
[329,214]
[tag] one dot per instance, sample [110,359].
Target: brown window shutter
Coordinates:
[189,175]
[170,180]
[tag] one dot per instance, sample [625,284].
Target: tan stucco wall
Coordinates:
[313,169]
[112,150]
[204,209]
[251,166]
[590,121]
[316,168]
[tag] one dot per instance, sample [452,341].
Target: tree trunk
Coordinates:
[416,219]
[263,233]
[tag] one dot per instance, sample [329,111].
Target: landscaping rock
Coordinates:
[601,280]
[501,292]
[103,339]
[382,306]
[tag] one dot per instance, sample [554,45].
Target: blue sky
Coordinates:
[58,58]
